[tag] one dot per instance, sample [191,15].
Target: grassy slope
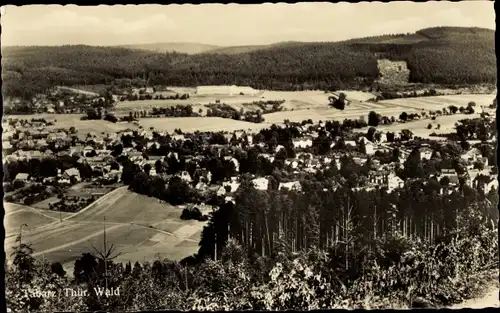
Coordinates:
[17,215]
[131,225]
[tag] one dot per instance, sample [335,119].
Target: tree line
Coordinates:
[466,58]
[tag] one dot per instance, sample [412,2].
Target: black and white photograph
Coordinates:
[233,157]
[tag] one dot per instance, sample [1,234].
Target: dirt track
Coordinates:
[490,300]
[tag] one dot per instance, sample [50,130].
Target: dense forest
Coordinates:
[435,55]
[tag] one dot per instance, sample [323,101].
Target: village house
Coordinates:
[292,163]
[260,183]
[485,183]
[293,185]
[360,160]
[385,178]
[233,185]
[351,143]
[49,180]
[426,153]
[127,150]
[267,156]
[40,144]
[113,174]
[177,137]
[302,143]
[452,177]
[71,173]
[87,149]
[369,147]
[175,154]
[185,176]
[484,161]
[50,108]
[153,145]
[234,161]
[30,154]
[26,144]
[203,175]
[472,155]
[22,177]
[202,187]
[219,190]
[6,147]
[230,199]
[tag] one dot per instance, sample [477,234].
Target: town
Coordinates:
[346,172]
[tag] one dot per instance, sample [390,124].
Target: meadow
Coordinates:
[17,215]
[66,121]
[298,106]
[140,227]
[202,124]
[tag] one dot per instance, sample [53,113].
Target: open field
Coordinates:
[419,127]
[140,227]
[387,108]
[440,102]
[82,190]
[17,215]
[74,120]
[300,106]
[191,124]
[198,102]
[45,204]
[294,100]
[139,105]
[96,126]
[84,91]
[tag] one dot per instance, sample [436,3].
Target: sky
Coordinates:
[233,24]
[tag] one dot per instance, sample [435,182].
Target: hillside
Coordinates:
[139,226]
[247,49]
[17,215]
[436,55]
[181,47]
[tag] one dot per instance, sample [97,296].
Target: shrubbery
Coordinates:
[193,213]
[71,204]
[399,273]
[226,111]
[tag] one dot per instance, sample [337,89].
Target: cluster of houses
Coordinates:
[33,139]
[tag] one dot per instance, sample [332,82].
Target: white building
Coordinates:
[369,147]
[232,184]
[226,90]
[302,143]
[234,161]
[260,183]
[293,185]
[185,176]
[426,153]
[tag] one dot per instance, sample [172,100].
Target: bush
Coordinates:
[191,213]
[111,118]
[373,119]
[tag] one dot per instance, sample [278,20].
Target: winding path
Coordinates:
[489,298]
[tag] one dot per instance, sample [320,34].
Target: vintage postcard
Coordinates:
[250,157]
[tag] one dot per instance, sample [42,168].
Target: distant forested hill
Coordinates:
[436,55]
[182,47]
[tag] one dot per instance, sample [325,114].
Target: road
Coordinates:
[489,300]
